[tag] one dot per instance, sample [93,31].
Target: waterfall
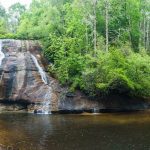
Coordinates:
[46,105]
[2,56]
[95,111]
[40,69]
[45,109]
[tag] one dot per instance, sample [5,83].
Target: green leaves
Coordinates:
[114,71]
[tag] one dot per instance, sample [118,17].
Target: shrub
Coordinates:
[115,71]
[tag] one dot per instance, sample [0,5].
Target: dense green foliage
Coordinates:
[9,21]
[98,46]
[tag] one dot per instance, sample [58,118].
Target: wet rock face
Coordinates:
[20,80]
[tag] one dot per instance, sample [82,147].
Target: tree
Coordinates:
[15,12]
[145,24]
[3,20]
[107,23]
[2,12]
[94,25]
[133,14]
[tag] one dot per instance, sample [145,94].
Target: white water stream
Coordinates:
[2,56]
[40,69]
[45,108]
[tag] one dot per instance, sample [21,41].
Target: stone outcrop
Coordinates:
[20,80]
[22,86]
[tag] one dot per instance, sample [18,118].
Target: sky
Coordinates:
[8,3]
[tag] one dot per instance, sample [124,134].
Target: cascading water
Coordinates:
[40,69]
[95,111]
[2,56]
[45,109]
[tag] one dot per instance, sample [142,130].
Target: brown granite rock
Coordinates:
[21,81]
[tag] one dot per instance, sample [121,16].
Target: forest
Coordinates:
[96,46]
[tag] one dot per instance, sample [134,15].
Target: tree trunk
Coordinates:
[106,22]
[94,27]
[147,35]
[144,32]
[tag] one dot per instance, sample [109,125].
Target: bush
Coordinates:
[8,36]
[117,72]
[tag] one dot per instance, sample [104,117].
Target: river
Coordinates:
[117,131]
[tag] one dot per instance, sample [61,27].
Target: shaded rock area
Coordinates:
[22,87]
[80,103]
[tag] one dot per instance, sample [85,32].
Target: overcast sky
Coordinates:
[8,3]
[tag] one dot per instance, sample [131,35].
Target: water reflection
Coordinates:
[75,132]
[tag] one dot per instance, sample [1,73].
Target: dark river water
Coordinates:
[118,131]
